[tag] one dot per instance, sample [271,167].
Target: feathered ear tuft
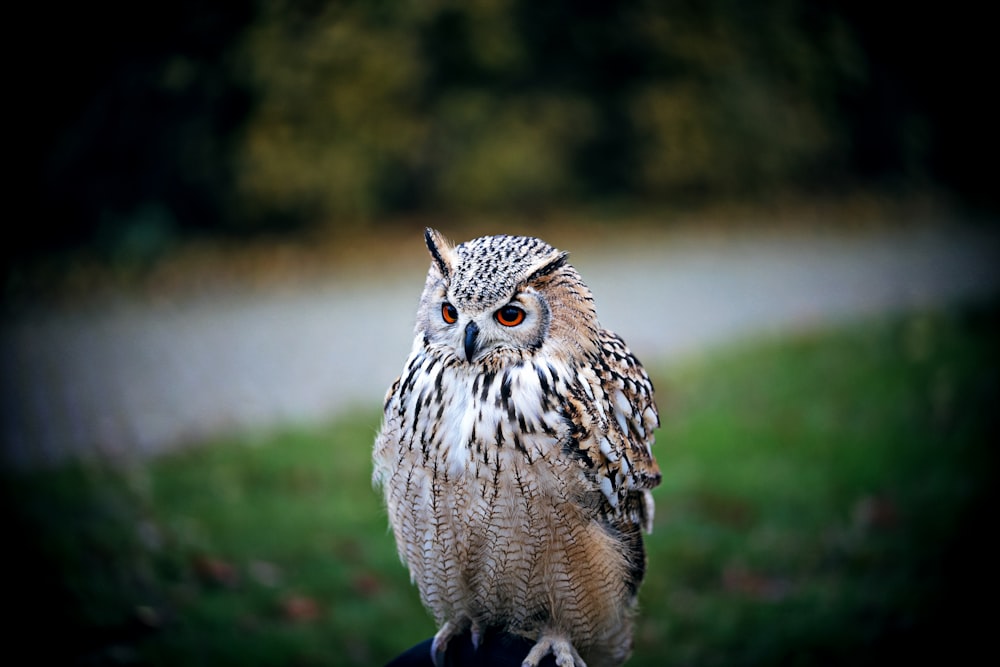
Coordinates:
[549,265]
[440,250]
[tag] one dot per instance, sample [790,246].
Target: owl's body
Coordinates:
[515,454]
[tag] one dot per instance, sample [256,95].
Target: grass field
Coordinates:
[827,500]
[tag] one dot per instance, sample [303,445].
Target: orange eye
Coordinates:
[509,316]
[448,313]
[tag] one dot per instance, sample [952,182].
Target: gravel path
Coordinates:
[131,377]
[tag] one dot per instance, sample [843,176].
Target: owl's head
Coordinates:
[503,298]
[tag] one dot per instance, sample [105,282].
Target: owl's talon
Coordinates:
[560,647]
[439,646]
[437,653]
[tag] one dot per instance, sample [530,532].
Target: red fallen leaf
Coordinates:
[300,608]
[217,571]
[367,584]
[875,513]
[742,580]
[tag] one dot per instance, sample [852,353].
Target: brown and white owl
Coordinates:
[515,455]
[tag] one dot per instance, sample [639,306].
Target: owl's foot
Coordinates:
[447,632]
[559,646]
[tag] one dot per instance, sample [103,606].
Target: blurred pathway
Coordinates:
[132,377]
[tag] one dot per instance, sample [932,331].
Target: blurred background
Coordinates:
[788,208]
[141,126]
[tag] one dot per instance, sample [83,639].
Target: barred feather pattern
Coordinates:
[517,483]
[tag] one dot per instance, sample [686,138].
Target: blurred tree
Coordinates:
[742,97]
[364,111]
[338,86]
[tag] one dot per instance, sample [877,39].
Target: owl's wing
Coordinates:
[620,422]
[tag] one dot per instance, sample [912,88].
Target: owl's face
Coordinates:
[499,298]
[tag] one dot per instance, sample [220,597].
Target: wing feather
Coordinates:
[620,427]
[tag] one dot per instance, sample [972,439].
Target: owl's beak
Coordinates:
[471,340]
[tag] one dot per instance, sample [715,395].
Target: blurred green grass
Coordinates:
[826,500]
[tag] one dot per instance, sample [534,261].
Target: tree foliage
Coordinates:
[505,103]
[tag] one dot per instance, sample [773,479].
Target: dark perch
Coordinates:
[496,650]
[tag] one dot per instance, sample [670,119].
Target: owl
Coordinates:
[515,455]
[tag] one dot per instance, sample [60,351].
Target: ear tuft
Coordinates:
[440,250]
[550,265]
